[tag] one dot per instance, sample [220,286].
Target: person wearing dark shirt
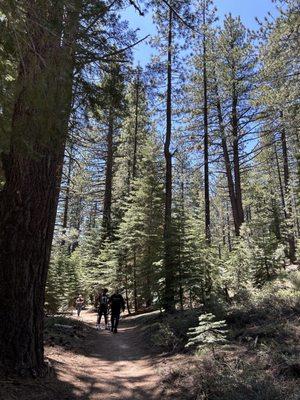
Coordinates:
[79,303]
[117,304]
[102,307]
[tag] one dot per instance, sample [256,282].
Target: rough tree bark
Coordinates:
[33,168]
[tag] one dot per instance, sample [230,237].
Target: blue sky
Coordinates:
[247,9]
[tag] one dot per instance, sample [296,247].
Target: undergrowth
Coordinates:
[260,360]
[226,378]
[64,331]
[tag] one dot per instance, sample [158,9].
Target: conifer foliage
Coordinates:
[177,182]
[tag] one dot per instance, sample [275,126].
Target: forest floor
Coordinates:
[93,365]
[148,359]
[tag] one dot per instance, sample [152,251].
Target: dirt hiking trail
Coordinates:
[98,365]
[114,366]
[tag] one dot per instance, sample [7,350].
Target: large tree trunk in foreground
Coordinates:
[169,301]
[28,201]
[27,216]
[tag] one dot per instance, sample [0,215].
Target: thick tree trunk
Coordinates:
[28,201]
[27,215]
[108,177]
[169,301]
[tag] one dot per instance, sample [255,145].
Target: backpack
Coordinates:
[103,300]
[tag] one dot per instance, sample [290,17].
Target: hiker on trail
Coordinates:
[116,304]
[79,304]
[102,307]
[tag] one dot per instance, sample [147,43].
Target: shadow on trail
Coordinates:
[103,366]
[53,388]
[126,345]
